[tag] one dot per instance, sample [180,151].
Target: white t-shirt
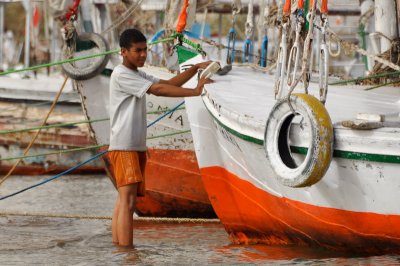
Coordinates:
[128,108]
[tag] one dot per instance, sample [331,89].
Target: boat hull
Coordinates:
[255,208]
[172,186]
[281,221]
[353,208]
[46,155]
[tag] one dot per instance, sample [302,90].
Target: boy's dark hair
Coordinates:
[130,36]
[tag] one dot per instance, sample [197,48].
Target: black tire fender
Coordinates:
[97,65]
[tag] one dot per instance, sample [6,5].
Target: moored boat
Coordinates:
[295,172]
[355,204]
[65,131]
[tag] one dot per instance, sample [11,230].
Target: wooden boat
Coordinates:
[16,117]
[355,204]
[315,175]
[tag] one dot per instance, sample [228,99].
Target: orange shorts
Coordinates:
[127,167]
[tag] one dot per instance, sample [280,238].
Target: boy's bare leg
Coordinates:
[114,224]
[127,199]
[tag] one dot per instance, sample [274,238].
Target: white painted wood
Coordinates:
[242,100]
[385,22]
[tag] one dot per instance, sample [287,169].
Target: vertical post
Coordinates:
[1,34]
[219,34]
[53,41]
[28,19]
[385,22]
[365,28]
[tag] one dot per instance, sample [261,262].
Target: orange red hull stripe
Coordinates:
[251,215]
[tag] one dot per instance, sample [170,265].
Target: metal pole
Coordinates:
[27,32]
[1,34]
[219,34]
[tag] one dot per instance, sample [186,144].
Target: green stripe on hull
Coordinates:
[361,156]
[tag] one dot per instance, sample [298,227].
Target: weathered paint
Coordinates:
[318,159]
[48,141]
[277,220]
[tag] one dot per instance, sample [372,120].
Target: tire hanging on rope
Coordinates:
[97,64]
[278,147]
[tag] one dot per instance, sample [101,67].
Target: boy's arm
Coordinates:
[162,89]
[183,77]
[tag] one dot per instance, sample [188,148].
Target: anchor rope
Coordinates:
[100,217]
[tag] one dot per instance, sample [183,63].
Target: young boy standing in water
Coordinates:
[127,150]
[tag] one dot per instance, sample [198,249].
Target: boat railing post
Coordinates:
[28,12]
[1,34]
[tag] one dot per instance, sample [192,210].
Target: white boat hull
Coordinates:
[354,207]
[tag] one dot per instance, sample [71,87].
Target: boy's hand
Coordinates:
[203,65]
[201,83]
[204,81]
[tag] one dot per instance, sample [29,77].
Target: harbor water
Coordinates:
[44,240]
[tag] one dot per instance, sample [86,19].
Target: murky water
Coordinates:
[65,241]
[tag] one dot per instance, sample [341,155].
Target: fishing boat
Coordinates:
[26,98]
[52,152]
[301,167]
[173,182]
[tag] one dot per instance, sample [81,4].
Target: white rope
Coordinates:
[123,17]
[249,27]
[98,217]
[352,47]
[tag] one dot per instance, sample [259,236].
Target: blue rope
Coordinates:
[157,36]
[247,51]
[264,51]
[230,55]
[54,177]
[87,161]
[164,115]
